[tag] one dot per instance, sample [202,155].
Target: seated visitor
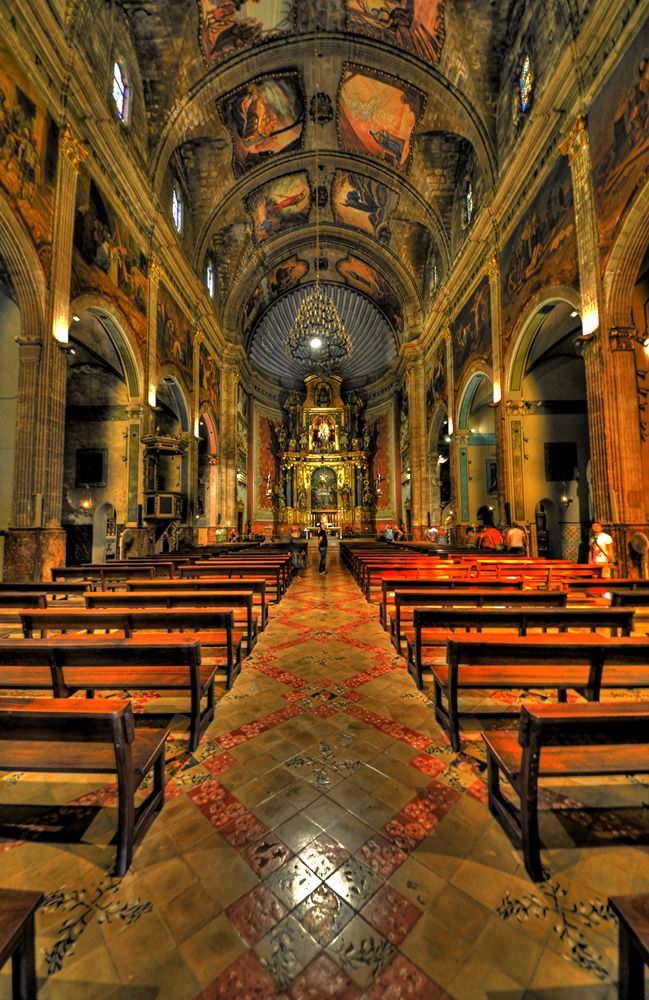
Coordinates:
[490,538]
[470,539]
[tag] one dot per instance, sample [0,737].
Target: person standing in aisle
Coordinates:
[322,546]
[600,551]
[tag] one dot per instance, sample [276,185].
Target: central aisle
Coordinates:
[323,841]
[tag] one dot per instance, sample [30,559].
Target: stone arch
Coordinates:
[527,328]
[118,330]
[624,262]
[467,389]
[26,273]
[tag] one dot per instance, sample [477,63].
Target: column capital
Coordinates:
[576,139]
[154,271]
[492,267]
[623,338]
[72,148]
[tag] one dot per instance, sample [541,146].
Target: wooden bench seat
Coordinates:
[560,741]
[401,610]
[432,627]
[585,663]
[87,737]
[632,914]
[272,577]
[17,939]
[239,602]
[256,585]
[403,581]
[68,664]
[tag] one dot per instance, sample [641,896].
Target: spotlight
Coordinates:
[574,314]
[316,343]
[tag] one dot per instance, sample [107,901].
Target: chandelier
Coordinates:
[318,339]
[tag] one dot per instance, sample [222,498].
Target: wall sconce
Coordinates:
[86,501]
[377,485]
[589,321]
[565,500]
[197,429]
[151,397]
[60,331]
[497,392]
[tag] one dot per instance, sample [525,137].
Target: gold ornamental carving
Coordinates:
[154,272]
[72,149]
[576,140]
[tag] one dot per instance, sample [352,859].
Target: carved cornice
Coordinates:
[576,140]
[72,149]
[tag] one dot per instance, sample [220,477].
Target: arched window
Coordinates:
[468,203]
[177,209]
[120,92]
[525,83]
[209,277]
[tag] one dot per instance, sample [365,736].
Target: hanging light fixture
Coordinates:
[318,339]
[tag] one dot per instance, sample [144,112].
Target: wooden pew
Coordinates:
[256,585]
[560,741]
[271,575]
[61,588]
[68,664]
[636,599]
[389,584]
[105,574]
[432,626]
[239,602]
[215,630]
[401,611]
[584,662]
[632,914]
[282,562]
[88,737]
[17,939]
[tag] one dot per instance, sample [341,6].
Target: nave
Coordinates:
[323,840]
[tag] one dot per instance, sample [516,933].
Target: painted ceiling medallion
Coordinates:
[417,25]
[264,117]
[227,26]
[377,114]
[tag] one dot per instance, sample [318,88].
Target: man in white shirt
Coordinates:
[600,552]
[516,540]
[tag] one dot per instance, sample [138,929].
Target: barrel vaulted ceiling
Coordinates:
[401,102]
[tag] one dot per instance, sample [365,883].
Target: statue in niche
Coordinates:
[367,493]
[344,440]
[323,395]
[356,444]
[282,435]
[304,440]
[301,497]
[366,437]
[323,433]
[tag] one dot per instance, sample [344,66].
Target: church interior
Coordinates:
[324,514]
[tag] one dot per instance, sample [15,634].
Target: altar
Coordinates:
[324,456]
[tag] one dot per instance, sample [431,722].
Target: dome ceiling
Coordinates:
[374,342]
[400,104]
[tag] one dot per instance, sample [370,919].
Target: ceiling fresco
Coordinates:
[364,203]
[417,25]
[227,26]
[400,102]
[264,117]
[279,205]
[377,115]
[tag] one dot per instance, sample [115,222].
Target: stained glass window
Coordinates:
[468,203]
[120,92]
[525,83]
[177,209]
[209,278]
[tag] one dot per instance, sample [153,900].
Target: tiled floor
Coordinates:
[323,841]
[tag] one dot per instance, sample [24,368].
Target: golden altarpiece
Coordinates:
[324,455]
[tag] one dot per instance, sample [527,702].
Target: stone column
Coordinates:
[151,361]
[493,270]
[37,542]
[228,463]
[419,475]
[610,368]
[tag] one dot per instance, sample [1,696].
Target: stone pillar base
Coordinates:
[30,553]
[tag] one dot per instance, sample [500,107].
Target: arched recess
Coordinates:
[207,493]
[441,467]
[626,280]
[10,329]
[24,321]
[102,428]
[166,463]
[476,444]
[547,425]
[104,533]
